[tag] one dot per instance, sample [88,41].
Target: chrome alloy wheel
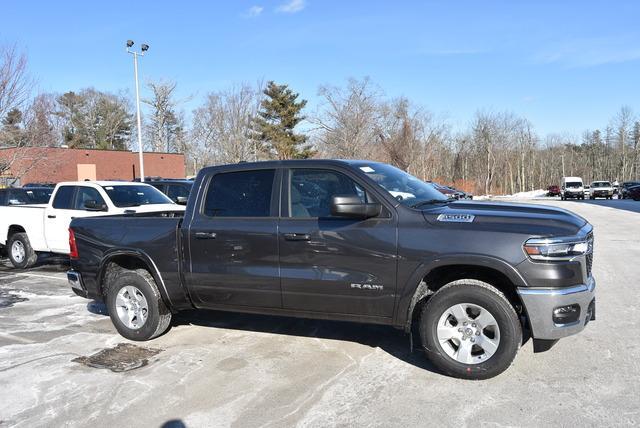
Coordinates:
[132,307]
[18,252]
[468,333]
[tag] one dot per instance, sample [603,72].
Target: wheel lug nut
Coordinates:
[473,325]
[464,323]
[472,339]
[460,329]
[477,333]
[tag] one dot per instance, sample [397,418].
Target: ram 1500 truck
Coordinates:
[327,239]
[26,230]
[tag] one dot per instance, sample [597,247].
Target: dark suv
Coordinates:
[624,188]
[177,190]
[25,196]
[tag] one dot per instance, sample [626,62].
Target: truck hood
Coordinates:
[533,220]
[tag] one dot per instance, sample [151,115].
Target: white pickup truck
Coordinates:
[28,229]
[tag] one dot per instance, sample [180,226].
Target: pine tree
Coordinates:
[11,134]
[279,114]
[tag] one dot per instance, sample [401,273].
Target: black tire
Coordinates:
[488,297]
[30,257]
[158,315]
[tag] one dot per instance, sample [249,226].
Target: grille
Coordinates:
[589,256]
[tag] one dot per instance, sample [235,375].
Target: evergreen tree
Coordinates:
[279,114]
[11,134]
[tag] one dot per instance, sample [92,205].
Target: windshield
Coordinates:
[574,184]
[133,196]
[406,188]
[29,196]
[601,184]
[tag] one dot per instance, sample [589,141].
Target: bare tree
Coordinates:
[347,124]
[222,127]
[162,121]
[15,84]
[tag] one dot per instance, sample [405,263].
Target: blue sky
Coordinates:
[565,65]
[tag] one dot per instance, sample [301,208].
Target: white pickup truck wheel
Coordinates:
[470,330]
[135,305]
[20,252]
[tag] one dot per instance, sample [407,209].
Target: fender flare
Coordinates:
[145,259]
[416,289]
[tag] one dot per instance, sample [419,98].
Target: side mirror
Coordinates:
[353,207]
[92,205]
[182,200]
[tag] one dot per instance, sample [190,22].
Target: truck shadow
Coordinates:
[393,341]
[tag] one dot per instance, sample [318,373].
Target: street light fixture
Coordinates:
[143,48]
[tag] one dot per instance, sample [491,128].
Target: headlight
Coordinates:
[548,250]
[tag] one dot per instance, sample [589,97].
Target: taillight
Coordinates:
[73,247]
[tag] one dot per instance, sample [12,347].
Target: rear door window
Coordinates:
[63,199]
[240,194]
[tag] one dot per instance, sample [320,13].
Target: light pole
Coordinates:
[143,49]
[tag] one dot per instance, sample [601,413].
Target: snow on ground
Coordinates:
[532,194]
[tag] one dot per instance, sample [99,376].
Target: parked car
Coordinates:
[601,189]
[553,190]
[633,193]
[27,230]
[25,196]
[459,194]
[177,190]
[449,193]
[327,239]
[571,187]
[624,188]
[47,184]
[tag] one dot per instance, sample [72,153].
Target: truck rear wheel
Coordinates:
[470,330]
[20,252]
[135,306]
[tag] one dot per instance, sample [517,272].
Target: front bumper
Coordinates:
[75,281]
[541,303]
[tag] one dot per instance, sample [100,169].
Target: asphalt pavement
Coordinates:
[60,363]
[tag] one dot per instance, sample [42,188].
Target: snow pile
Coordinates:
[532,194]
[540,193]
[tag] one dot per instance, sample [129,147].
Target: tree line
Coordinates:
[498,152]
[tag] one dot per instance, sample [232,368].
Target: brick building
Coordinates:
[53,164]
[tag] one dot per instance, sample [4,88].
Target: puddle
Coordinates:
[8,299]
[121,358]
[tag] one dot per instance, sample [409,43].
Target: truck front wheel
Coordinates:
[20,252]
[470,330]
[136,307]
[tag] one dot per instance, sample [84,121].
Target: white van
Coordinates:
[571,187]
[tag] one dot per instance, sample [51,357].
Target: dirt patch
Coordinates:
[121,358]
[8,298]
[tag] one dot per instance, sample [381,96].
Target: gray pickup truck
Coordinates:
[347,240]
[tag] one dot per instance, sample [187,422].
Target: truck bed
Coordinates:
[152,235]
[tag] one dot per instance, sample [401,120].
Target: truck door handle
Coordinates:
[297,236]
[51,216]
[205,235]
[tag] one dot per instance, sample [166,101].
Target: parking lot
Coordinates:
[223,369]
